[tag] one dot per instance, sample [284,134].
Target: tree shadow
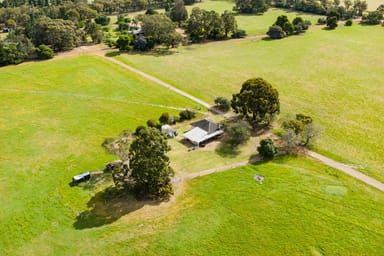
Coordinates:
[113,54]
[226,150]
[108,206]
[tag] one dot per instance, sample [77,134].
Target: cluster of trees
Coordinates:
[203,25]
[166,118]
[37,32]
[374,17]
[348,10]
[144,169]
[283,27]
[299,131]
[251,6]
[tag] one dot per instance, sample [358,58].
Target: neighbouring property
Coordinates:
[203,131]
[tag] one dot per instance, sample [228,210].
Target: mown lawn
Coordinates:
[334,76]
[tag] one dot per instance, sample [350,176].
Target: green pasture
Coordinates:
[334,76]
[54,115]
[302,208]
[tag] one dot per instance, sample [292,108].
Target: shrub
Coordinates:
[151,123]
[348,22]
[240,33]
[276,32]
[44,52]
[267,149]
[164,118]
[223,103]
[102,20]
[186,115]
[321,21]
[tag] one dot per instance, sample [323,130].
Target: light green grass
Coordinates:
[334,76]
[302,208]
[54,115]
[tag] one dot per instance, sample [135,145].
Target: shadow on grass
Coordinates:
[108,206]
[226,150]
[113,54]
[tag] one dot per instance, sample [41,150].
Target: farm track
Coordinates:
[101,52]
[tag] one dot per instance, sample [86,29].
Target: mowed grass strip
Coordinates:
[334,76]
[54,115]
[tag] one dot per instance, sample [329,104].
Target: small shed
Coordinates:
[168,131]
[203,131]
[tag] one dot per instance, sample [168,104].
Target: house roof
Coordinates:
[206,125]
[198,135]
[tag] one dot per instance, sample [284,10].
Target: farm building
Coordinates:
[203,130]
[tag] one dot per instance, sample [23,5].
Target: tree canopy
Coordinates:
[149,164]
[257,102]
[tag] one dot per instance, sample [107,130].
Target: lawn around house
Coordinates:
[334,76]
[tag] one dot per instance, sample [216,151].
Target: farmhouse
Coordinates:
[203,130]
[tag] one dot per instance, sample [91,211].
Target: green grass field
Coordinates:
[302,208]
[334,76]
[54,115]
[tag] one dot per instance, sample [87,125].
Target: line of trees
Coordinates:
[283,27]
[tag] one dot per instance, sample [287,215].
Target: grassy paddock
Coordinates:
[54,115]
[335,76]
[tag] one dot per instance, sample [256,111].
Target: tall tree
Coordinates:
[257,102]
[230,24]
[178,12]
[150,164]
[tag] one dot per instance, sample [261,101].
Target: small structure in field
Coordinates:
[168,131]
[259,178]
[81,177]
[202,131]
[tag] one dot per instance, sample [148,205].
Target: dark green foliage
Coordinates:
[189,2]
[237,133]
[102,20]
[124,42]
[15,49]
[288,28]
[178,12]
[160,29]
[230,24]
[304,119]
[149,165]
[239,34]
[60,35]
[186,115]
[267,149]
[93,30]
[359,7]
[223,103]
[321,21]
[257,102]
[276,32]
[294,125]
[334,13]
[281,20]
[303,128]
[151,123]
[380,9]
[142,44]
[151,11]
[297,20]
[203,25]
[138,128]
[300,25]
[164,118]
[349,22]
[373,18]
[332,22]
[44,52]
[250,6]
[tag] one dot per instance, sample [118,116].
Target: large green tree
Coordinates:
[149,165]
[160,29]
[250,6]
[257,102]
[230,24]
[178,12]
[60,34]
